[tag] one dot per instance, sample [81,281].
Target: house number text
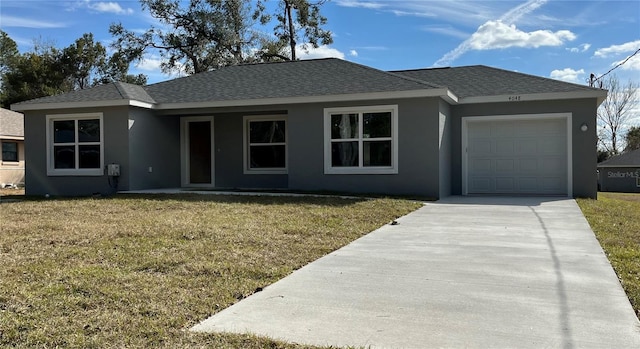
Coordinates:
[514,98]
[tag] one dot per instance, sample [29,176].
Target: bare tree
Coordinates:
[614,113]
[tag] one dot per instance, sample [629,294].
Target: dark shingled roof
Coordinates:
[11,123]
[480,80]
[310,78]
[631,158]
[108,92]
[318,77]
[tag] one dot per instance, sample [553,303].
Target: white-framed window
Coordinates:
[265,144]
[638,182]
[75,145]
[361,140]
[9,151]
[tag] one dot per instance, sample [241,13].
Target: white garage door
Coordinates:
[517,156]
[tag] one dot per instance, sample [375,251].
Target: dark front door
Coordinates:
[199,152]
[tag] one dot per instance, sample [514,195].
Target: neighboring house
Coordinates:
[12,142]
[620,173]
[320,125]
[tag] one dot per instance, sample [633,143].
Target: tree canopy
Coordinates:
[47,70]
[614,113]
[632,139]
[201,35]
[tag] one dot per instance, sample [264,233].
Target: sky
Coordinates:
[565,40]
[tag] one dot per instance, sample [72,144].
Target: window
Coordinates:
[10,151]
[265,144]
[361,140]
[75,144]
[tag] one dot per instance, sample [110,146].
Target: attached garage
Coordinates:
[517,154]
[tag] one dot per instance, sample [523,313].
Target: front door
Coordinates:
[197,154]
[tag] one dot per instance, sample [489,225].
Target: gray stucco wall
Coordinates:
[116,145]
[445,148]
[154,142]
[418,128]
[619,179]
[584,143]
[229,169]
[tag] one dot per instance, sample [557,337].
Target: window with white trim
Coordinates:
[361,140]
[10,151]
[75,145]
[265,144]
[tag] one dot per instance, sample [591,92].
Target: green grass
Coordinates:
[138,271]
[615,219]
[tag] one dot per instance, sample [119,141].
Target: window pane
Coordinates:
[267,131]
[344,126]
[377,153]
[89,156]
[89,130]
[344,154]
[64,156]
[376,125]
[64,131]
[269,156]
[9,151]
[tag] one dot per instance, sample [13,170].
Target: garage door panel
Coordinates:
[505,184]
[517,156]
[505,165]
[554,166]
[502,129]
[527,147]
[551,145]
[528,184]
[481,185]
[505,146]
[480,146]
[481,166]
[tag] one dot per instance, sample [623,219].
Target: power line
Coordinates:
[592,81]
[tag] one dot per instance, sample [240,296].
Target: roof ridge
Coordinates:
[422,82]
[122,93]
[536,77]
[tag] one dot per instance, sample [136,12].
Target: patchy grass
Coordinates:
[138,271]
[615,219]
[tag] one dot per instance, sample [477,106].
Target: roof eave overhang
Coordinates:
[439,92]
[600,95]
[86,104]
[13,138]
[618,166]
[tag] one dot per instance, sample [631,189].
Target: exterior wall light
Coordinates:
[584,127]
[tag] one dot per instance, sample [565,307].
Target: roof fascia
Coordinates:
[612,166]
[86,104]
[439,92]
[600,95]
[13,138]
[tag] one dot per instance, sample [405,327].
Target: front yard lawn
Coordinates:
[138,271]
[615,219]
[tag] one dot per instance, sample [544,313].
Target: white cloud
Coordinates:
[446,30]
[110,7]
[580,48]
[362,4]
[498,35]
[401,13]
[509,17]
[320,52]
[10,21]
[631,46]
[567,74]
[633,63]
[353,53]
[150,64]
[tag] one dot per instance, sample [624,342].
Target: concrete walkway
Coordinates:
[464,272]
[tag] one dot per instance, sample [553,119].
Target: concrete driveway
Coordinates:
[464,272]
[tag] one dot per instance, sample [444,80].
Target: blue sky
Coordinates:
[565,40]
